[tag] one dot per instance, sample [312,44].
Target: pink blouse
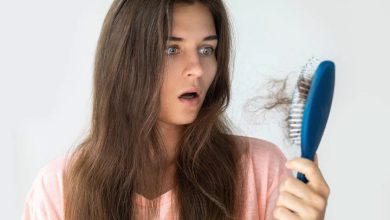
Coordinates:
[266,170]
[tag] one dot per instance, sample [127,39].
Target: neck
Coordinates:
[171,135]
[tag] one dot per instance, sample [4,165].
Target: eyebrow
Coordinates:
[209,38]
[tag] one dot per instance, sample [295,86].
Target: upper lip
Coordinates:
[191,90]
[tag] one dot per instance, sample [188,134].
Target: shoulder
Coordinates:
[266,162]
[262,151]
[45,197]
[265,171]
[54,167]
[50,175]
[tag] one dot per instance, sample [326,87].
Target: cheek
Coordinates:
[166,100]
[167,79]
[168,91]
[211,69]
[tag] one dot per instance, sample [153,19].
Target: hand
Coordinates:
[300,201]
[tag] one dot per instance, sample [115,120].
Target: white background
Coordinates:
[46,57]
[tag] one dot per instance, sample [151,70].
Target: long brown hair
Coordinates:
[107,167]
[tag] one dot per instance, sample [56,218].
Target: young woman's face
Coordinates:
[190,62]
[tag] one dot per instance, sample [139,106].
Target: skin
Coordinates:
[191,62]
[299,201]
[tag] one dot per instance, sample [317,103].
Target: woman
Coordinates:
[160,146]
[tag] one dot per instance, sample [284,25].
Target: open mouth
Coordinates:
[189,95]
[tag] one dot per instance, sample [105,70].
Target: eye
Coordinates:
[207,51]
[171,50]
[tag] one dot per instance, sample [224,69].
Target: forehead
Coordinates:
[189,21]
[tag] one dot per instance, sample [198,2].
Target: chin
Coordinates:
[179,121]
[185,121]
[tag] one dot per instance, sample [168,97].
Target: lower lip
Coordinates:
[190,102]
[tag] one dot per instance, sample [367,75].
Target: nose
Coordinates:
[193,66]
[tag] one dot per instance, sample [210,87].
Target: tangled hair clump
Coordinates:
[275,95]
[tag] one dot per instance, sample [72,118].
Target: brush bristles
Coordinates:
[298,102]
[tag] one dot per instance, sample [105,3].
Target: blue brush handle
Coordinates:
[316,112]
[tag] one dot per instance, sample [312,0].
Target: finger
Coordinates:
[291,202]
[283,213]
[297,188]
[311,171]
[306,195]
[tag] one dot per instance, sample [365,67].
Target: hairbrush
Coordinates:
[310,107]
